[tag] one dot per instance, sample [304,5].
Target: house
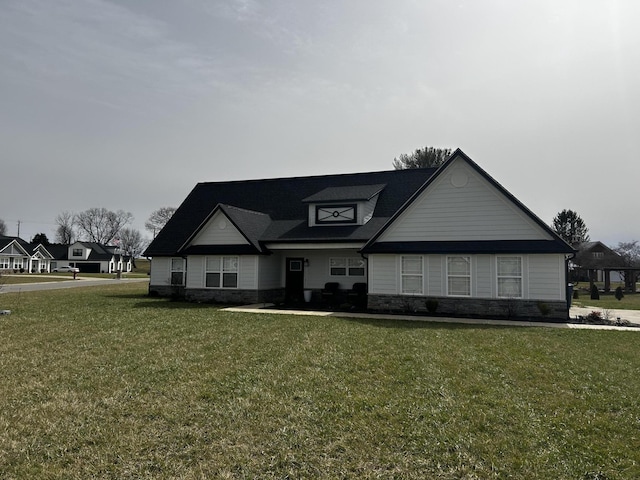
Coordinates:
[450,237]
[595,262]
[20,256]
[90,257]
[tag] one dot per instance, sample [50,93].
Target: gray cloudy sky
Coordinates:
[128,104]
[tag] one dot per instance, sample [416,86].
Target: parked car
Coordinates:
[67,268]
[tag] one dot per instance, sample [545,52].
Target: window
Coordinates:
[411,275]
[221,272]
[598,254]
[177,271]
[336,214]
[18,263]
[352,267]
[509,277]
[77,252]
[459,276]
[4,262]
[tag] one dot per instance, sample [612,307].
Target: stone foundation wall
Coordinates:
[233,297]
[471,307]
[228,297]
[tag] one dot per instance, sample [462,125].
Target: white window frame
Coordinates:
[222,266]
[510,277]
[4,263]
[458,276]
[175,268]
[18,262]
[407,275]
[77,252]
[349,264]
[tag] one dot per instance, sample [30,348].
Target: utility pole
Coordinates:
[19,228]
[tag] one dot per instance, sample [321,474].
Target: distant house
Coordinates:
[20,256]
[90,257]
[451,237]
[595,262]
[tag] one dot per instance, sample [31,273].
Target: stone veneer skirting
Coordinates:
[474,307]
[224,296]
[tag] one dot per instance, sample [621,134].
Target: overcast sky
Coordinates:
[128,104]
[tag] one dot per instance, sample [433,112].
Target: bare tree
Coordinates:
[3,227]
[131,242]
[630,253]
[101,225]
[158,219]
[65,230]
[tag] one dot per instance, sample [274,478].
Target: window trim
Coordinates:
[350,263]
[404,275]
[173,270]
[330,221]
[519,277]
[451,276]
[220,270]
[74,252]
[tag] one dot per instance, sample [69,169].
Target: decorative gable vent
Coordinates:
[349,205]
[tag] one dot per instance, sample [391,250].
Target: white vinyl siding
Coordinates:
[411,275]
[475,211]
[383,274]
[547,277]
[268,268]
[219,231]
[484,275]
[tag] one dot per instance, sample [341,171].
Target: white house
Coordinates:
[449,239]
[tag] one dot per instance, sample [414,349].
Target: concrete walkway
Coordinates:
[267,308]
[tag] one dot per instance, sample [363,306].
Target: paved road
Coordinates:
[79,282]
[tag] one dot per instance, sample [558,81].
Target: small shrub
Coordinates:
[576,295]
[595,294]
[619,293]
[594,317]
[544,308]
[432,305]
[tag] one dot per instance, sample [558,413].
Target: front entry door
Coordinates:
[294,282]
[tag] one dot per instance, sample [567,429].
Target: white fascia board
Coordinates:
[313,246]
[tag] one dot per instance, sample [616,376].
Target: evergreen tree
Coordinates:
[570,227]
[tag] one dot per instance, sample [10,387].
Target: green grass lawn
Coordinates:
[104,382]
[630,301]
[37,278]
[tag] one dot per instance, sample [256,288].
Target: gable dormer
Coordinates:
[350,205]
[78,251]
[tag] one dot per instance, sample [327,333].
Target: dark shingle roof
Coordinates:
[345,194]
[282,201]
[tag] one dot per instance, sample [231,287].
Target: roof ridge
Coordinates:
[305,177]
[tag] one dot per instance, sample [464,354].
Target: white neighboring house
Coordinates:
[90,257]
[450,237]
[16,255]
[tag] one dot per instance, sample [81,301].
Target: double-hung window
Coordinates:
[177,271]
[509,270]
[351,267]
[459,276]
[411,275]
[4,263]
[221,272]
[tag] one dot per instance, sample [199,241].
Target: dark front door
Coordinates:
[294,282]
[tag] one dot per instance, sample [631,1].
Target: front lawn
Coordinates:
[104,382]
